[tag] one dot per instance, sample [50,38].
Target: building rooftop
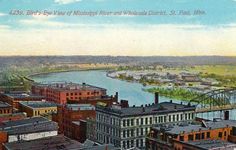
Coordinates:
[69,86]
[211,144]
[28,125]
[160,108]
[58,142]
[4,105]
[38,104]
[80,107]
[23,95]
[188,128]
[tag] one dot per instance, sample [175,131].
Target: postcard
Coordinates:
[117,74]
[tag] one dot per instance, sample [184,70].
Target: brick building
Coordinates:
[27,129]
[217,134]
[71,119]
[5,108]
[12,117]
[14,98]
[37,108]
[127,127]
[61,93]
[58,142]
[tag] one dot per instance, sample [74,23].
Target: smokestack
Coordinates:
[116,97]
[124,104]
[156,97]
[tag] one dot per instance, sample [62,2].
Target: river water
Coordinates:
[127,90]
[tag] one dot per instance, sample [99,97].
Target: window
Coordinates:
[225,133]
[146,131]
[169,118]
[124,122]
[177,117]
[137,132]
[128,122]
[124,144]
[141,131]
[220,134]
[141,121]
[132,143]
[208,134]
[197,136]
[67,94]
[146,120]
[127,144]
[132,122]
[181,138]
[190,137]
[203,136]
[132,132]
[137,122]
[127,133]
[137,143]
[141,141]
[123,134]
[150,120]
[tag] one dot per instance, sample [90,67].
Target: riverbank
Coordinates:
[175,93]
[24,76]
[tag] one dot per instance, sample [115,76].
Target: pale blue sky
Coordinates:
[143,35]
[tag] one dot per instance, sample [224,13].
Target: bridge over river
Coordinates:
[216,100]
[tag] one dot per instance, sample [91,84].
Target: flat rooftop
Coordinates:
[160,108]
[4,105]
[211,144]
[69,86]
[52,143]
[38,104]
[58,142]
[189,128]
[23,95]
[28,125]
[80,107]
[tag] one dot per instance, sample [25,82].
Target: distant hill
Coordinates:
[164,60]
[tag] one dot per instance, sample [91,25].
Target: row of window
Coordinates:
[135,133]
[108,119]
[160,119]
[203,135]
[88,93]
[125,144]
[130,143]
[108,130]
[4,111]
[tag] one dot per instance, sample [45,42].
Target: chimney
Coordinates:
[156,97]
[116,97]
[124,104]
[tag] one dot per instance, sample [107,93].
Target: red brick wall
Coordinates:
[3,139]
